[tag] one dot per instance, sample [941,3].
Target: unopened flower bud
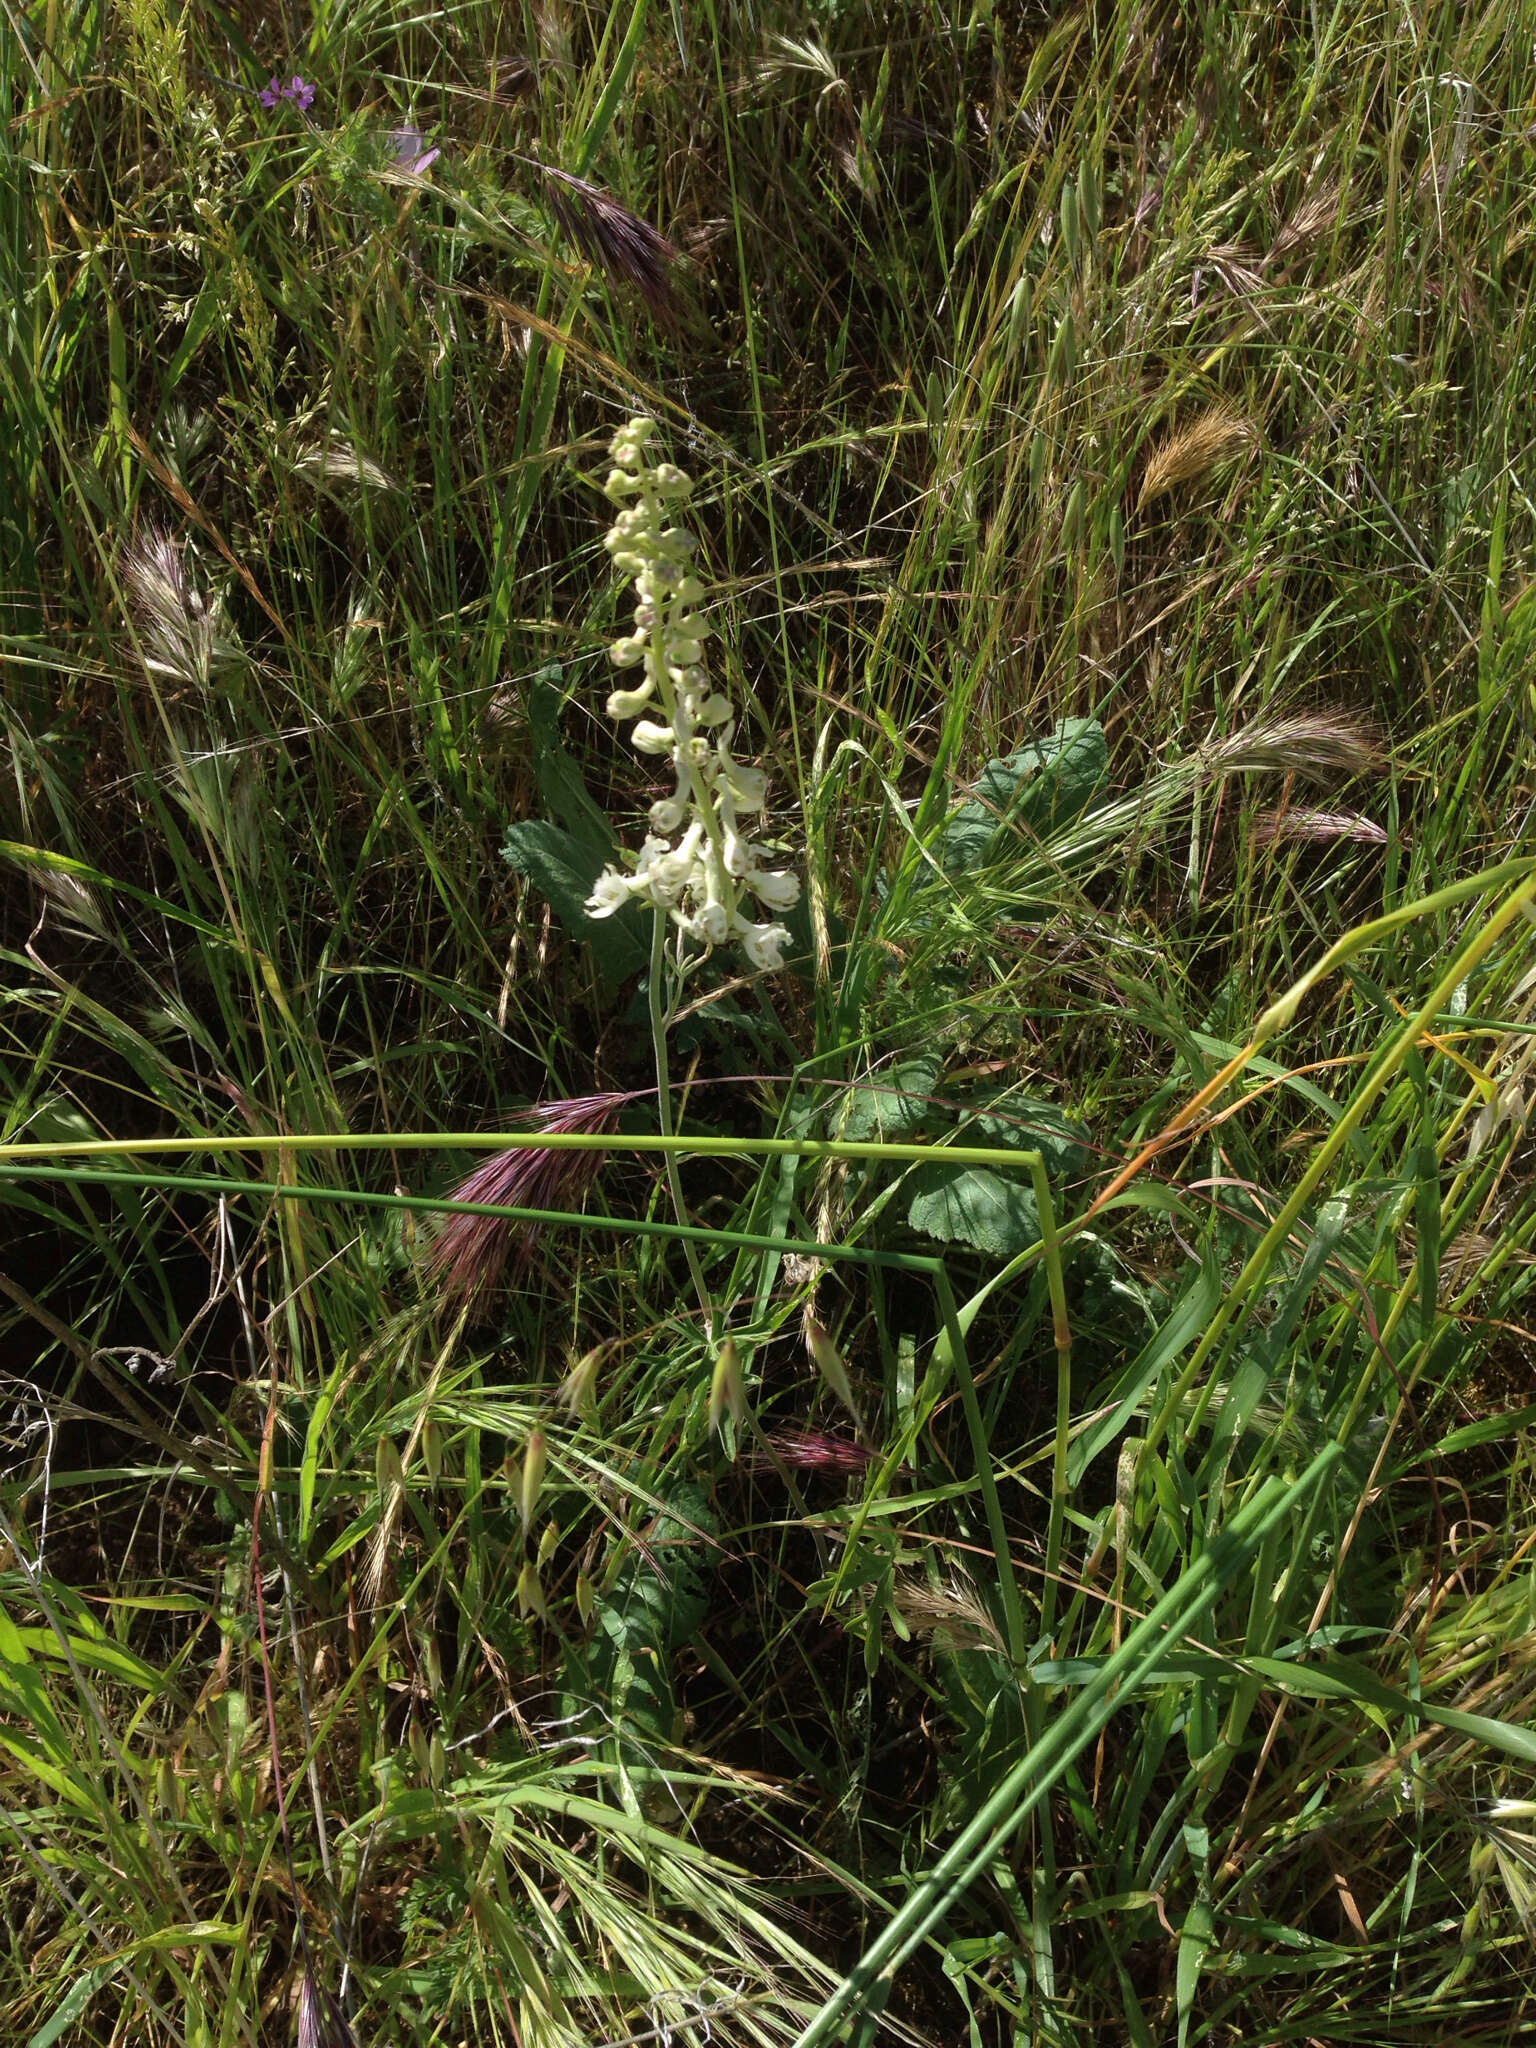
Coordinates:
[627,703]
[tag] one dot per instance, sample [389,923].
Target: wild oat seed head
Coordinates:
[699,861]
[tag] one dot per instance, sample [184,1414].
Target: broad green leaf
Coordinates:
[73,2003]
[564,868]
[1045,786]
[995,1212]
[892,1104]
[975,1206]
[657,1602]
[566,796]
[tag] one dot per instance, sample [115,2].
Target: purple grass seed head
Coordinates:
[469,1252]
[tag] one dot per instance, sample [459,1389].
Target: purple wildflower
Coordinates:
[298,89]
[469,1252]
[408,147]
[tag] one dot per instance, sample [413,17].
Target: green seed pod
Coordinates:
[1117,538]
[1021,304]
[829,1363]
[1072,518]
[1088,201]
[530,1593]
[1038,452]
[533,1476]
[727,1391]
[1069,227]
[170,1792]
[387,1468]
[1063,359]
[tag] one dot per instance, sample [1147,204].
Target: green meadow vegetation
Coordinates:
[566,1486]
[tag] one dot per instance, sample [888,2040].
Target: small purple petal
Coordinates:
[408,147]
[271,93]
[301,93]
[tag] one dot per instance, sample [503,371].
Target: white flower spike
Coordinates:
[708,879]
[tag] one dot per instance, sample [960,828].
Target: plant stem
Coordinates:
[660,1020]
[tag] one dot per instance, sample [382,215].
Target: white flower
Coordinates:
[775,891]
[748,786]
[763,945]
[610,892]
[712,924]
[740,854]
[714,868]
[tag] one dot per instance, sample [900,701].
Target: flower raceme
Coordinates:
[699,862]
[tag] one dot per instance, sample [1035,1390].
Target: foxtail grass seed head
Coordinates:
[1324,747]
[699,862]
[322,2023]
[184,634]
[468,1253]
[1317,828]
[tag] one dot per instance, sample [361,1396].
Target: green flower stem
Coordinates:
[660,1022]
[1013,1607]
